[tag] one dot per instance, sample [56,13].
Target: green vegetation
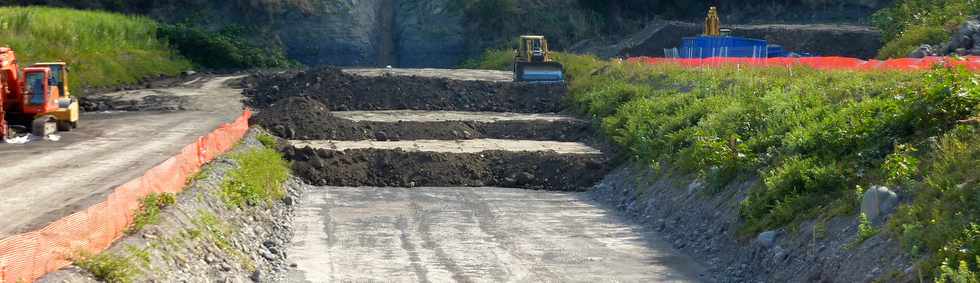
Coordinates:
[943,218]
[806,138]
[910,23]
[268,141]
[865,229]
[149,211]
[109,267]
[258,178]
[226,49]
[102,48]
[219,233]
[492,59]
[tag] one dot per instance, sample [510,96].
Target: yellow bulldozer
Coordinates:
[533,62]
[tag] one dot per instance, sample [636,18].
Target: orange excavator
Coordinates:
[36,98]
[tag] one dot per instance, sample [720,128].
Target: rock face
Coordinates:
[428,34]
[966,41]
[878,202]
[376,33]
[821,40]
[767,238]
[400,33]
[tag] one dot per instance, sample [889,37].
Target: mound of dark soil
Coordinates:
[397,168]
[344,91]
[305,118]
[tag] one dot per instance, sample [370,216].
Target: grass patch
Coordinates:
[258,179]
[811,137]
[218,232]
[149,211]
[102,48]
[111,268]
[268,141]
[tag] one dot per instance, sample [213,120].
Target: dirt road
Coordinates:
[43,181]
[448,234]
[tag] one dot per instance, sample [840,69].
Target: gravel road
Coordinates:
[43,181]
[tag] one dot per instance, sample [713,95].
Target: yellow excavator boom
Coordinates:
[712,24]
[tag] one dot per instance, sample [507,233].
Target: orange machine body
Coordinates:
[36,97]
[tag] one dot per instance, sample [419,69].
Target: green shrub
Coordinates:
[910,23]
[268,141]
[101,48]
[865,229]
[221,50]
[811,137]
[492,59]
[911,39]
[111,268]
[961,273]
[258,179]
[942,218]
[149,210]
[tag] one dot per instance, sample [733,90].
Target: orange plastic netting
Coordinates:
[28,256]
[824,63]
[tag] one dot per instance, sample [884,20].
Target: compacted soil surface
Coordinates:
[370,234]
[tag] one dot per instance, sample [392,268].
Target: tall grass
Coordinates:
[102,48]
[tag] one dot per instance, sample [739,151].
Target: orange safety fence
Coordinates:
[28,256]
[823,63]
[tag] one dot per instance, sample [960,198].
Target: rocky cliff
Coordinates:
[402,33]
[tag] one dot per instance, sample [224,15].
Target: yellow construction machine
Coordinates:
[533,63]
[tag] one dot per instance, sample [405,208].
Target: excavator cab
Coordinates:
[47,99]
[59,76]
[532,62]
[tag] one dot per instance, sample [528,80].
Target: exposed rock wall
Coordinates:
[401,33]
[429,34]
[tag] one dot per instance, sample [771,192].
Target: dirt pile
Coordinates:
[305,118]
[344,91]
[397,168]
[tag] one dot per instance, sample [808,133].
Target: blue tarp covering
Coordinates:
[728,46]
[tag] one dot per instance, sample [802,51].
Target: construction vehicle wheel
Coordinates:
[64,126]
[43,126]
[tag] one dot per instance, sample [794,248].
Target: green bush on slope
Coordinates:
[102,48]
[910,23]
[810,137]
[221,50]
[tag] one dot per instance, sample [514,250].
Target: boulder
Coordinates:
[923,51]
[966,40]
[767,239]
[878,202]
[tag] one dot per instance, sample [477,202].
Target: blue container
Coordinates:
[728,46]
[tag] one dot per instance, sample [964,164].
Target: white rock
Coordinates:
[878,202]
